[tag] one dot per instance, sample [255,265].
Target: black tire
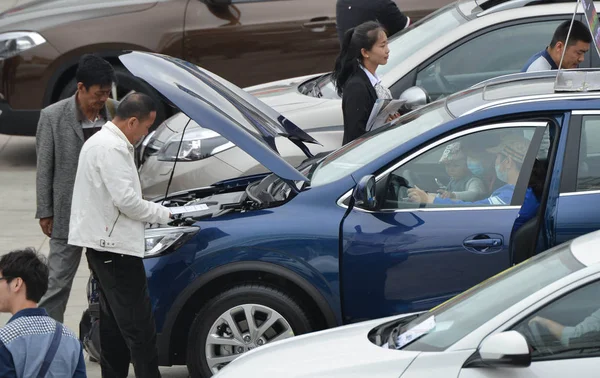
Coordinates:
[257,294]
[126,84]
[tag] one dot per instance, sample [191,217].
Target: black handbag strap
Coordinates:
[51,350]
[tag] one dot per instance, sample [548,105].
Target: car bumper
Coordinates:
[18,122]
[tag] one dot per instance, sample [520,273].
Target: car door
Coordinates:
[409,256]
[578,207]
[484,55]
[255,41]
[575,352]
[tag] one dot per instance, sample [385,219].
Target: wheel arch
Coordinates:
[66,65]
[172,349]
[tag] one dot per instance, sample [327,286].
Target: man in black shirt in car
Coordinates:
[351,13]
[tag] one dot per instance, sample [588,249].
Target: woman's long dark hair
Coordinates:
[364,36]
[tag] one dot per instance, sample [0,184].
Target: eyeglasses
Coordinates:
[6,278]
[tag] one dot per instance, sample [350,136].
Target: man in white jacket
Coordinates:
[108,217]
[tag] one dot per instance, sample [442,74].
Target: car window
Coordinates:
[479,169]
[568,327]
[466,312]
[486,56]
[588,170]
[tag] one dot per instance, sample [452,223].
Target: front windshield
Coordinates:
[375,144]
[443,326]
[407,42]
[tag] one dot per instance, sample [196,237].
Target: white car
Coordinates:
[538,319]
[452,49]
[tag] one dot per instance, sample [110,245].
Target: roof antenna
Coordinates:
[566,42]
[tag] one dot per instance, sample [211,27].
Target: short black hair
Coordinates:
[30,267]
[93,70]
[136,105]
[579,32]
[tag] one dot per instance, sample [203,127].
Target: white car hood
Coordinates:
[339,352]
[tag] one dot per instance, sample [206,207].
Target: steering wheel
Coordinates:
[410,178]
[533,332]
[397,188]
[445,86]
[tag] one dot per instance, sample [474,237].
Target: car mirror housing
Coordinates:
[364,193]
[506,349]
[415,97]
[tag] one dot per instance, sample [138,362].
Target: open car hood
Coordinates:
[216,104]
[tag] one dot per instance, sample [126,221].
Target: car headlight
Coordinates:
[198,144]
[13,43]
[160,240]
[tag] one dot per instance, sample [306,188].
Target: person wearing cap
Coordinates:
[510,154]
[463,184]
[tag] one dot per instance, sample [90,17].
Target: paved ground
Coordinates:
[19,229]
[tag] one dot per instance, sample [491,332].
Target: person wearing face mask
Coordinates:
[510,154]
[363,50]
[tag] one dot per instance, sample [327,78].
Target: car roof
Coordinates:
[515,88]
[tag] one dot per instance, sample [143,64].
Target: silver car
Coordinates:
[452,49]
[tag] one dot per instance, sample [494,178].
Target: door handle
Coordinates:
[319,23]
[483,243]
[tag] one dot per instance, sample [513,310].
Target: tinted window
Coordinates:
[499,52]
[588,173]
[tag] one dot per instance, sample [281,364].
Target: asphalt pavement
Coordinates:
[20,230]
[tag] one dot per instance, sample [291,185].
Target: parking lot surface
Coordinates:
[20,230]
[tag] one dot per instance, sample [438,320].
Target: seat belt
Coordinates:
[51,350]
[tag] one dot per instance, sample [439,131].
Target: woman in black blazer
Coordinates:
[363,50]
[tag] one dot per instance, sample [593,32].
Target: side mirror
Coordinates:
[415,97]
[508,349]
[364,193]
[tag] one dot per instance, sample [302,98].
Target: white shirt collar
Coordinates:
[115,130]
[372,78]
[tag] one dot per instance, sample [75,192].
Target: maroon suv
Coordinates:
[245,41]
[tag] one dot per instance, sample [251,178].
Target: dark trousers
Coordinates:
[127,328]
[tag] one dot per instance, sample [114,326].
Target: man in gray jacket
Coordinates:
[62,129]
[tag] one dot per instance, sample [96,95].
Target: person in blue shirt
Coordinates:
[510,154]
[574,50]
[32,344]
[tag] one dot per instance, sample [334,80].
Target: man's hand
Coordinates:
[46,225]
[419,196]
[392,117]
[446,194]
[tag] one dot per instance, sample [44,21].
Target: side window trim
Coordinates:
[425,149]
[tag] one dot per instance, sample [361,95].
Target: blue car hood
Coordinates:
[216,104]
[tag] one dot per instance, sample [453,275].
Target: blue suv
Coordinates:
[341,238]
